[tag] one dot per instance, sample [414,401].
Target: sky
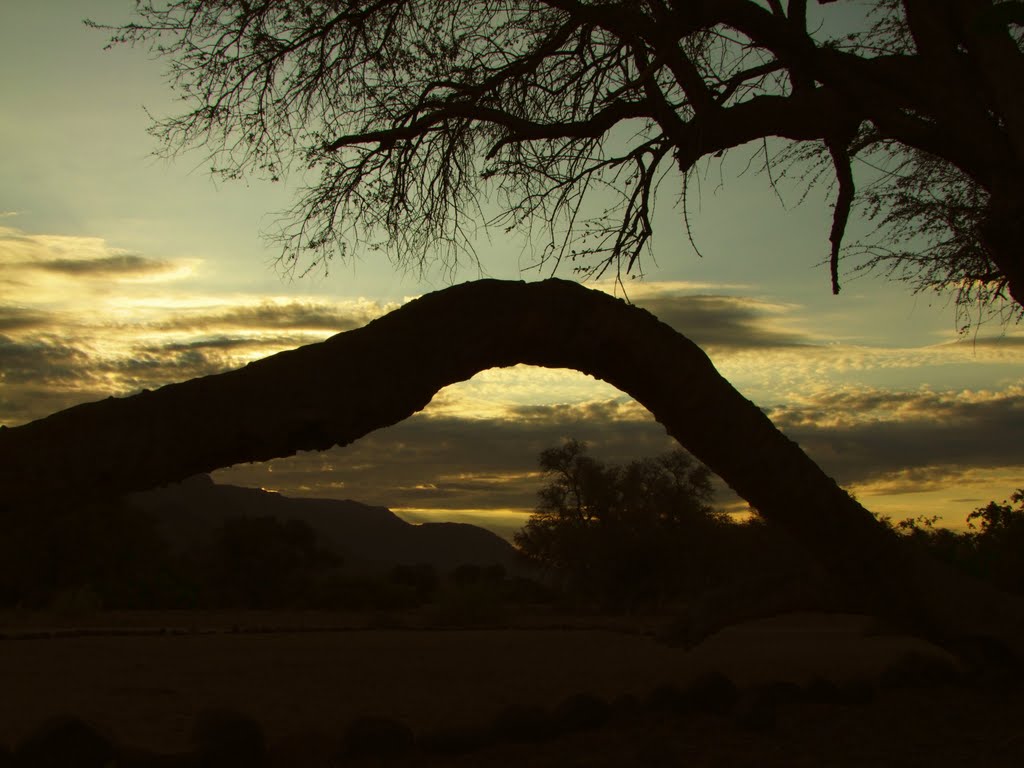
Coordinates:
[121,271]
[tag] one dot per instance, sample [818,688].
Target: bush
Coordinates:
[621,536]
[422,578]
[757,710]
[226,739]
[77,602]
[711,693]
[469,605]
[522,724]
[65,741]
[915,669]
[581,712]
[667,697]
[457,740]
[823,691]
[371,736]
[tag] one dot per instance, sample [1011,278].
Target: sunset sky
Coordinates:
[120,271]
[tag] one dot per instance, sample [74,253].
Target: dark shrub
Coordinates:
[625,707]
[666,698]
[371,736]
[422,578]
[226,739]
[920,670]
[712,693]
[456,740]
[469,605]
[782,691]
[988,661]
[757,710]
[466,574]
[857,693]
[523,590]
[581,712]
[824,691]
[65,741]
[519,723]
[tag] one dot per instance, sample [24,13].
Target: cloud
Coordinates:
[990,342]
[618,409]
[718,315]
[268,314]
[78,322]
[45,360]
[864,435]
[81,319]
[116,265]
[430,461]
[42,374]
[886,444]
[638,290]
[14,318]
[726,322]
[78,258]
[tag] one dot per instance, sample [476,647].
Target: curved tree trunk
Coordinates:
[336,391]
[1003,232]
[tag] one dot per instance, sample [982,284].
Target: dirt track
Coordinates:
[305,686]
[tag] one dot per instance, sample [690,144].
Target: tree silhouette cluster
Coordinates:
[642,533]
[991,548]
[400,115]
[114,555]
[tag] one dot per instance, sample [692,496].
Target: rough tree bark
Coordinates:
[336,391]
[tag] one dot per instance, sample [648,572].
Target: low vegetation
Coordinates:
[642,536]
[113,556]
[991,547]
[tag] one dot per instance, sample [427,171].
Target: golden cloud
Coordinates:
[80,320]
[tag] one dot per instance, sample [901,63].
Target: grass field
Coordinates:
[142,678]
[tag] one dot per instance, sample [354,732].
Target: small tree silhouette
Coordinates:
[999,541]
[619,533]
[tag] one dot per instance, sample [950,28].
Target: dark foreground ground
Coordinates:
[321,690]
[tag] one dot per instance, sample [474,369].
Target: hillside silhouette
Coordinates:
[189,515]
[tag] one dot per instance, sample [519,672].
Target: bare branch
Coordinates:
[413,119]
[840,153]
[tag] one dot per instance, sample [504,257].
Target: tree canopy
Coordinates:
[402,115]
[629,531]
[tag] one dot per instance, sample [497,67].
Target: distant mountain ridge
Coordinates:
[189,514]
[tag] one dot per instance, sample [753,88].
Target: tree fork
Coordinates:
[336,391]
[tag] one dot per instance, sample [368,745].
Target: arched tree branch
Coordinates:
[336,391]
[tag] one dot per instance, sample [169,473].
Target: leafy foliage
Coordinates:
[82,559]
[620,534]
[109,552]
[992,547]
[262,562]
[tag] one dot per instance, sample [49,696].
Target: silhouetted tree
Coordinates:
[263,562]
[992,547]
[403,112]
[622,533]
[108,549]
[999,541]
[420,577]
